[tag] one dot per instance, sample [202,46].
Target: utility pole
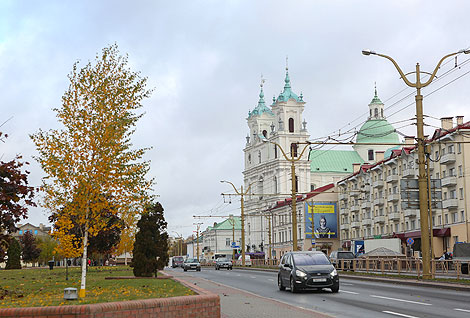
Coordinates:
[198,225]
[422,180]
[241,194]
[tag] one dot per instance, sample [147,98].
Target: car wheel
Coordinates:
[185,269]
[293,289]
[335,288]
[198,269]
[279,283]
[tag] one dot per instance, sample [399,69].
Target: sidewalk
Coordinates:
[235,303]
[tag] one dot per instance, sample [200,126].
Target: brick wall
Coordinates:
[203,305]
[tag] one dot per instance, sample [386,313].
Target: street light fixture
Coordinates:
[292,160]
[242,218]
[423,203]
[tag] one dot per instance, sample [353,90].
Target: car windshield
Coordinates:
[178,258]
[222,260]
[347,255]
[310,259]
[190,260]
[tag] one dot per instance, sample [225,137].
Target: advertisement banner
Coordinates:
[321,220]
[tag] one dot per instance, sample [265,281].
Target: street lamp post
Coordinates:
[422,180]
[292,160]
[242,218]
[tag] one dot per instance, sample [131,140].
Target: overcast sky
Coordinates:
[205,59]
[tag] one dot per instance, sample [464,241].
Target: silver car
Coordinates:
[191,263]
[223,263]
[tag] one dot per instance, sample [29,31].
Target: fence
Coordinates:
[398,266]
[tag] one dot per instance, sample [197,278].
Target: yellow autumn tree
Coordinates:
[89,164]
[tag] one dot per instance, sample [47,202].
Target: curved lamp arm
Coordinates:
[398,69]
[437,67]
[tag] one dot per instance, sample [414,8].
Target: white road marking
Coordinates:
[253,277]
[270,279]
[402,300]
[398,314]
[349,292]
[466,310]
[347,284]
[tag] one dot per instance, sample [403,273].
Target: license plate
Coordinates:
[318,280]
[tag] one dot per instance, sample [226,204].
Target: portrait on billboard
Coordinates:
[321,220]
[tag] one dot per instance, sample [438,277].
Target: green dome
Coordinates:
[377,131]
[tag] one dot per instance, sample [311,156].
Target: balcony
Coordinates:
[394,216]
[356,224]
[379,201]
[393,197]
[448,158]
[366,222]
[411,213]
[450,203]
[354,193]
[354,208]
[378,184]
[366,188]
[343,196]
[344,211]
[409,173]
[344,227]
[449,181]
[366,205]
[393,178]
[379,219]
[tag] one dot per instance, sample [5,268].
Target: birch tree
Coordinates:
[90,165]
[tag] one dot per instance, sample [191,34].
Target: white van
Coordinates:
[247,260]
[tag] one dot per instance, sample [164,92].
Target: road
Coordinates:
[356,298]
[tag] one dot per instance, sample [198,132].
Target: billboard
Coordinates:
[321,220]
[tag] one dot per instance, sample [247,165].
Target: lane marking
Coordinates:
[347,284]
[349,292]
[402,300]
[270,279]
[253,277]
[466,310]
[398,314]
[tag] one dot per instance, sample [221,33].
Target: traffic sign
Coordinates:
[410,241]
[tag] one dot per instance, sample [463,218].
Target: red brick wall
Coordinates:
[204,305]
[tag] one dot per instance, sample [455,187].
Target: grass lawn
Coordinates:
[37,287]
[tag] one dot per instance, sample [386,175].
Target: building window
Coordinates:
[259,156]
[459,148]
[450,149]
[462,216]
[296,184]
[35,232]
[265,134]
[454,217]
[21,232]
[446,218]
[275,184]
[275,152]
[460,171]
[461,193]
[439,220]
[291,125]
[370,154]
[293,149]
[227,242]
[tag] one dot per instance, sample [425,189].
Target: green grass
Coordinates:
[35,287]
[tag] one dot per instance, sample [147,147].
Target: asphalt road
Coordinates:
[356,298]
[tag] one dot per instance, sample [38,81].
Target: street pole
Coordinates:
[198,225]
[422,180]
[292,160]
[242,218]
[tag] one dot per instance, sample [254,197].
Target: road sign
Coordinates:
[410,241]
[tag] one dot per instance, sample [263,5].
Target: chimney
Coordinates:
[41,226]
[446,123]
[356,167]
[379,156]
[409,140]
[459,120]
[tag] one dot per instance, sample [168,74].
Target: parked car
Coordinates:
[192,263]
[336,258]
[307,270]
[223,263]
[247,260]
[177,261]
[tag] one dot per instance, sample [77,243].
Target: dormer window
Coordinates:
[265,134]
[370,154]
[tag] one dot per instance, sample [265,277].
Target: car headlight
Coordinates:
[300,273]
[334,272]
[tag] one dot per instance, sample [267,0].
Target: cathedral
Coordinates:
[279,131]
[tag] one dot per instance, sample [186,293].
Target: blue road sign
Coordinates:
[410,241]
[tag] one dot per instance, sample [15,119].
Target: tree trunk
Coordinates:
[125,257]
[81,294]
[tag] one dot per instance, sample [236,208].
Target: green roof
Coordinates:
[261,108]
[377,131]
[288,93]
[339,161]
[227,224]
